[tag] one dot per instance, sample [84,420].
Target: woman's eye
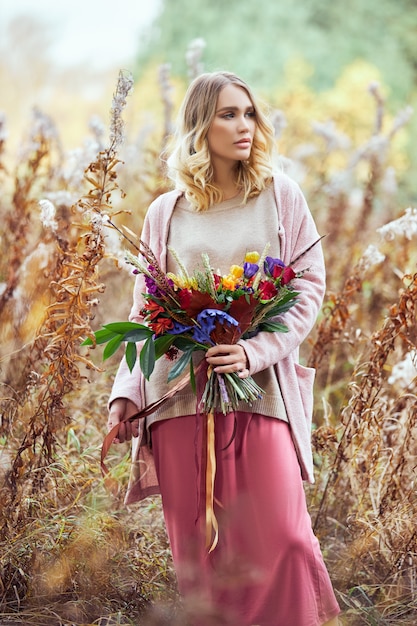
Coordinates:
[230,115]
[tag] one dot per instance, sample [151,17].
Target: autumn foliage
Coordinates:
[70,551]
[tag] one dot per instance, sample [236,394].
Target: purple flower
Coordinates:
[270,264]
[250,269]
[249,290]
[178,329]
[207,320]
[223,389]
[151,286]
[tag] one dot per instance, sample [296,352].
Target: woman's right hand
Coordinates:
[120,409]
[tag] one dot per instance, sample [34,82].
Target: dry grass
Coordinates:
[71,553]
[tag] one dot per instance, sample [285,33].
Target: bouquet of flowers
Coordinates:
[184,313]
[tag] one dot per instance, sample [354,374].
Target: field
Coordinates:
[71,552]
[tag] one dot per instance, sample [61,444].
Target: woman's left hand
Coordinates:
[226,359]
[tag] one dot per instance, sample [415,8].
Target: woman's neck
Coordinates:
[225,181]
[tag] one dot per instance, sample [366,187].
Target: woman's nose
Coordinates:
[243,123]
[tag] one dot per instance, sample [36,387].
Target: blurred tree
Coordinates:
[257,40]
[24,62]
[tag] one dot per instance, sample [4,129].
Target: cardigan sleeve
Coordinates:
[131,385]
[298,233]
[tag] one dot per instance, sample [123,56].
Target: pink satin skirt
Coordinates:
[267,569]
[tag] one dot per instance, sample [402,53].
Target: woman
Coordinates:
[267,568]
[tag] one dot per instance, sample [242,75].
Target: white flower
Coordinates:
[193,57]
[124,87]
[356,198]
[374,87]
[334,139]
[48,213]
[96,220]
[371,256]
[389,182]
[405,371]
[406,225]
[375,148]
[62,198]
[42,129]
[402,119]
[43,126]
[304,151]
[98,128]
[339,183]
[77,161]
[279,122]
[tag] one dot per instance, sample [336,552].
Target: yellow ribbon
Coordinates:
[211,520]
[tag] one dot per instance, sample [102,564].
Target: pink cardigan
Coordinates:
[297,232]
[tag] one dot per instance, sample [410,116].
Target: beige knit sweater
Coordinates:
[225,232]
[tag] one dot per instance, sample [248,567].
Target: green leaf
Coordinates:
[72,440]
[139,334]
[181,364]
[124,327]
[273,327]
[162,344]
[147,358]
[131,354]
[184,343]
[101,336]
[285,304]
[192,377]
[112,346]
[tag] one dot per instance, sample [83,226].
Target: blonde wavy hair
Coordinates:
[189,164]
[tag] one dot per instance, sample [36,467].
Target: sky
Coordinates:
[102,33]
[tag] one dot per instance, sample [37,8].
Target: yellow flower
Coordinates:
[229,282]
[175,279]
[182,282]
[236,271]
[252,257]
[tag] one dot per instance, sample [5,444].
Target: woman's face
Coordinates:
[233,127]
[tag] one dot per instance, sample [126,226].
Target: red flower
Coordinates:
[184,298]
[152,309]
[267,290]
[161,325]
[172,353]
[200,301]
[286,274]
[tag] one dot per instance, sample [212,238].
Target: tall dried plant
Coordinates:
[36,166]
[55,361]
[367,451]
